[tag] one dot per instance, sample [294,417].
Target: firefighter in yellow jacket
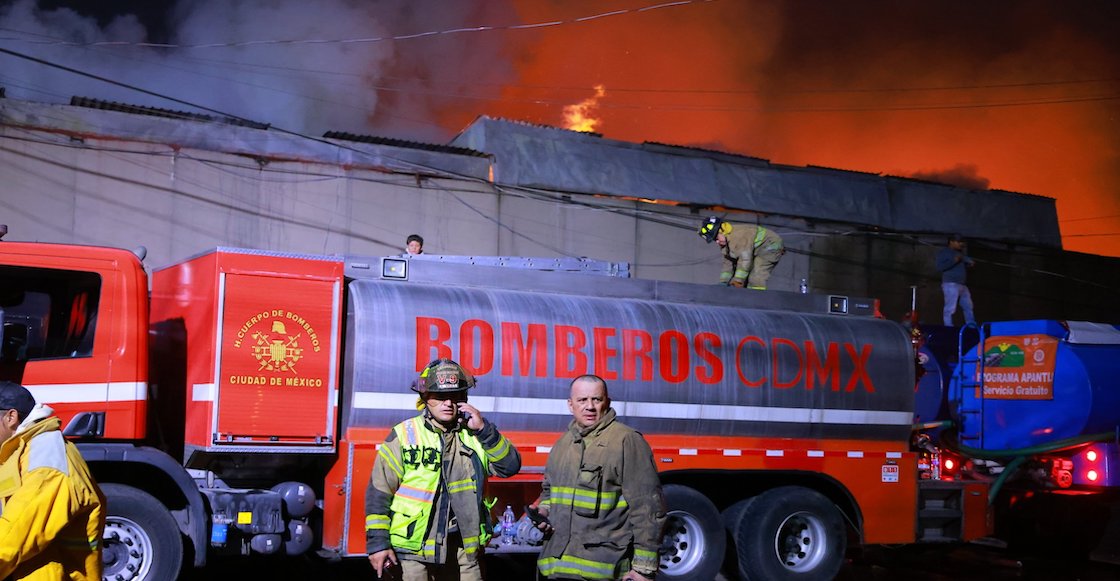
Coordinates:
[601,495]
[53,512]
[424,505]
[750,252]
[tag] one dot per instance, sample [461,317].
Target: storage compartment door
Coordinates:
[277,366]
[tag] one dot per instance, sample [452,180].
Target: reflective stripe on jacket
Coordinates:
[51,511]
[423,460]
[604,501]
[413,491]
[744,242]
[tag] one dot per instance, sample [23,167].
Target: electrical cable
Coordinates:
[613,105]
[676,222]
[465,29]
[433,170]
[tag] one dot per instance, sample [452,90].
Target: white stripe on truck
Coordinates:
[559,407]
[89,392]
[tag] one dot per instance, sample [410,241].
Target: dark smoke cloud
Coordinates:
[962,175]
[302,86]
[1029,91]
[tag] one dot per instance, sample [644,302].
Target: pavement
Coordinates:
[981,561]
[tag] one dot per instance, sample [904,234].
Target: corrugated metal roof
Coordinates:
[344,136]
[536,156]
[543,126]
[706,152]
[839,170]
[91,103]
[569,132]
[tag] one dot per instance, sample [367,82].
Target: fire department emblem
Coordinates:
[277,350]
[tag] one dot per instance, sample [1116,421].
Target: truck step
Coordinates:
[940,515]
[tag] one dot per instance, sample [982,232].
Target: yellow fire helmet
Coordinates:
[443,376]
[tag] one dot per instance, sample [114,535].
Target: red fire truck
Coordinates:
[234,402]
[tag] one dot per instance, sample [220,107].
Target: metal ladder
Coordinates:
[975,381]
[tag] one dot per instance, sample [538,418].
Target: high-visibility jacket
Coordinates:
[52,514]
[604,502]
[422,476]
[751,251]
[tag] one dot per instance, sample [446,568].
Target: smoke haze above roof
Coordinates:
[1021,96]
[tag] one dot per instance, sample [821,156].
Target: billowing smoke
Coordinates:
[962,175]
[1028,92]
[276,62]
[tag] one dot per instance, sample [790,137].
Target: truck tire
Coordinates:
[734,513]
[730,517]
[142,542]
[790,533]
[694,537]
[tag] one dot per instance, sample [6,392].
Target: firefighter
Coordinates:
[51,511]
[749,252]
[424,505]
[601,495]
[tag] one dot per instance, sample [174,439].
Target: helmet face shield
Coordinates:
[710,228]
[443,376]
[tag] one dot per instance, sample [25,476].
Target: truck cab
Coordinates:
[75,324]
[75,333]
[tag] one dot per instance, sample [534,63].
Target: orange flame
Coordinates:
[579,117]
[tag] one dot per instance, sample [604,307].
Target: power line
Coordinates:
[685,108]
[120,84]
[643,90]
[552,194]
[1091,218]
[376,39]
[186,103]
[435,171]
[675,221]
[933,107]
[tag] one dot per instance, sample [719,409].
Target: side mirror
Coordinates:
[13,341]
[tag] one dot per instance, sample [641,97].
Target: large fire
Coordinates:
[1029,108]
[580,117]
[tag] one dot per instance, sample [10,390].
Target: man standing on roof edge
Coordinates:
[953,262]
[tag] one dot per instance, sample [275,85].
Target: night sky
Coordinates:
[1021,96]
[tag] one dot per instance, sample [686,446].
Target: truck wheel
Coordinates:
[694,540]
[142,542]
[790,533]
[734,513]
[731,516]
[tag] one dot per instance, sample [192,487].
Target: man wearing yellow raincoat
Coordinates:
[51,511]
